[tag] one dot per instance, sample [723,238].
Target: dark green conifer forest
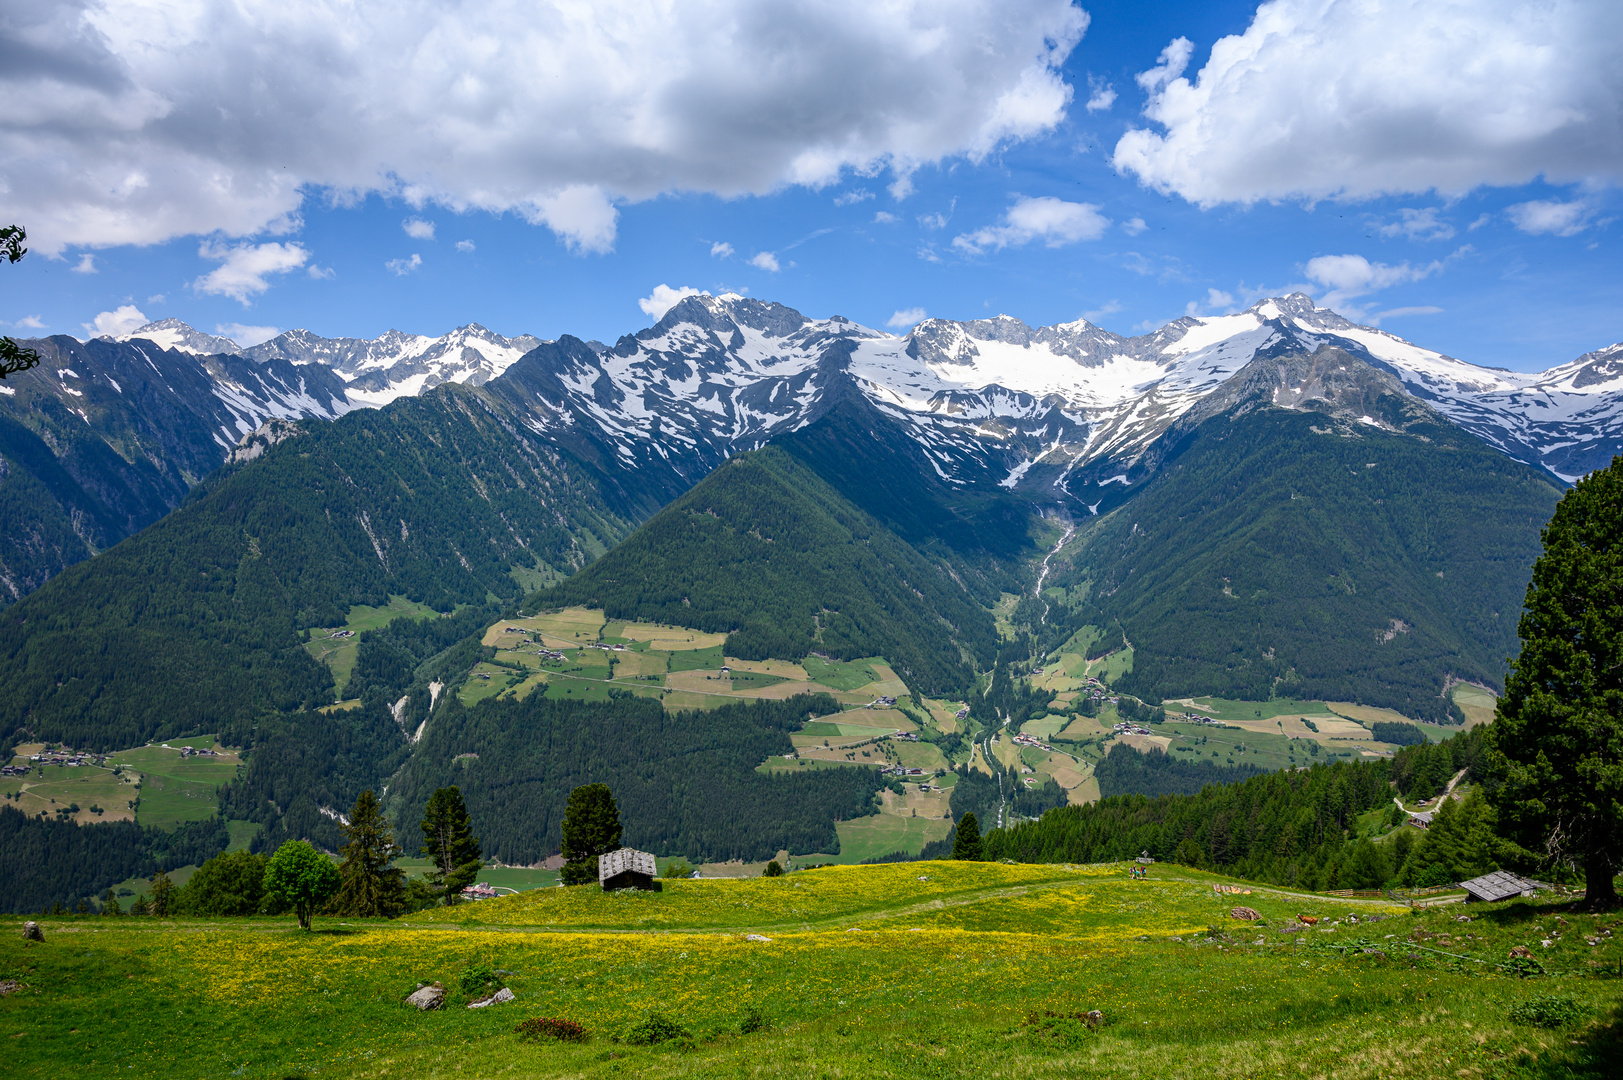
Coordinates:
[686,782]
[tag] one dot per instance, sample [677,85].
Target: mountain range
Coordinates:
[1275,502]
[1063,414]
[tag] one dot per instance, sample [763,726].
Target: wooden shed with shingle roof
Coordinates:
[626,869]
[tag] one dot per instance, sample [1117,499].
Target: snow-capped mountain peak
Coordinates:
[174,334]
[378,370]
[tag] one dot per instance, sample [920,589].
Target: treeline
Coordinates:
[1297,828]
[767,552]
[45,862]
[1267,560]
[686,782]
[1125,771]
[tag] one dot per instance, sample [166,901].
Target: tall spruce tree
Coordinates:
[449,843]
[966,845]
[591,828]
[1559,731]
[163,894]
[369,885]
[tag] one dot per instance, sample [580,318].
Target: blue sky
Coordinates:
[1470,223]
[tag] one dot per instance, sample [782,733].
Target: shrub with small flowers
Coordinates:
[551,1029]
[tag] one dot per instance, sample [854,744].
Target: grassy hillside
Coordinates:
[1282,554]
[768,553]
[937,969]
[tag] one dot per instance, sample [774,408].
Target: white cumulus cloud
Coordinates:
[1551,216]
[1418,224]
[244,268]
[465,246]
[1215,300]
[137,123]
[663,298]
[1351,276]
[721,249]
[402,267]
[1357,99]
[85,265]
[121,320]
[1101,95]
[29,322]
[246,336]
[906,318]
[765,260]
[418,229]
[1053,221]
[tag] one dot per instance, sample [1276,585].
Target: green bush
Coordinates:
[1548,1011]
[480,981]
[655,1028]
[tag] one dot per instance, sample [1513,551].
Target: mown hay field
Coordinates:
[904,970]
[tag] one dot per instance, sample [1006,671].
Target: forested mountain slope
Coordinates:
[196,622]
[1314,532]
[769,553]
[104,438]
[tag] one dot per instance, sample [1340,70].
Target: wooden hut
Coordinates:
[626,869]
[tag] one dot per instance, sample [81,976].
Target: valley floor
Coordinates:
[920,969]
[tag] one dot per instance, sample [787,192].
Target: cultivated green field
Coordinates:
[682,667]
[175,788]
[920,969]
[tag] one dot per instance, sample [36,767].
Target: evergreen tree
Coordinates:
[1368,867]
[301,877]
[449,843]
[141,906]
[163,895]
[591,827]
[1559,730]
[369,885]
[109,903]
[773,869]
[967,844]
